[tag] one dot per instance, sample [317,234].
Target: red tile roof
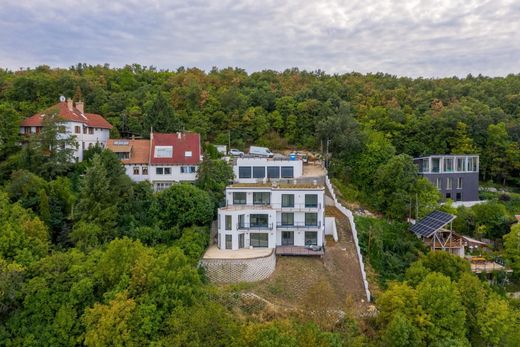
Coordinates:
[74,115]
[139,150]
[181,143]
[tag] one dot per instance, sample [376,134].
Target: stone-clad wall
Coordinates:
[239,270]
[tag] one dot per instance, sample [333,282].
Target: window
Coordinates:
[239,198]
[435,164]
[261,198]
[145,170]
[287,238]
[460,164]
[259,240]
[273,172]
[241,221]
[163,152]
[459,183]
[448,164]
[458,196]
[258,171]
[311,219]
[240,240]
[159,170]
[77,129]
[90,145]
[136,170]
[229,242]
[311,200]
[425,165]
[228,222]
[187,154]
[244,172]
[83,145]
[193,169]
[184,169]
[160,186]
[438,183]
[259,220]
[449,183]
[84,130]
[61,129]
[287,200]
[472,164]
[287,171]
[311,238]
[287,218]
[167,170]
[448,195]
[91,131]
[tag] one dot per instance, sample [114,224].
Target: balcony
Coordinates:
[275,206]
[249,226]
[299,225]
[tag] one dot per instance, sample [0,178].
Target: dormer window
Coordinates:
[163,152]
[188,154]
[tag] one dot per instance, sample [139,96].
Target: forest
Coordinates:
[88,257]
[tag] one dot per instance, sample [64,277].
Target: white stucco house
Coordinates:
[88,129]
[162,160]
[268,215]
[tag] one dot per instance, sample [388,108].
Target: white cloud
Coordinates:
[414,38]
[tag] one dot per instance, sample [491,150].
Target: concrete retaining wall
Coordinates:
[350,217]
[330,227]
[239,270]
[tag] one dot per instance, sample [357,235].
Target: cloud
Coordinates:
[412,38]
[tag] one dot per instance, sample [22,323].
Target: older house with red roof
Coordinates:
[162,160]
[88,129]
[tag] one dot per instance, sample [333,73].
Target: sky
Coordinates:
[404,38]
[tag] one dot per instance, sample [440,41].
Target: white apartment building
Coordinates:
[254,170]
[162,160]
[271,215]
[88,129]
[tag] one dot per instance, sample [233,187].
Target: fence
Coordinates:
[350,217]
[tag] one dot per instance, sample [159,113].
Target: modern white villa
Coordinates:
[162,160]
[259,215]
[88,129]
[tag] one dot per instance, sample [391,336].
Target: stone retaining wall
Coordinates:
[239,270]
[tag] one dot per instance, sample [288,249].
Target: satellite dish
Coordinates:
[62,98]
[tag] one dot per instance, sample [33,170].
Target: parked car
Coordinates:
[236,153]
[260,151]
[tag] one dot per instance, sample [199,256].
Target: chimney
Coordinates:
[70,104]
[80,106]
[179,135]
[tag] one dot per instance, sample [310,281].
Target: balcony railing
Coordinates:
[249,226]
[298,225]
[278,206]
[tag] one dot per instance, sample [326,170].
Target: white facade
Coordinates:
[254,170]
[259,215]
[85,137]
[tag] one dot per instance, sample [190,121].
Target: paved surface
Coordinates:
[297,250]
[214,253]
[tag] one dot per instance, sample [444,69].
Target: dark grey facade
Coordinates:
[456,176]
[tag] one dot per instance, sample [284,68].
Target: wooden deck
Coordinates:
[298,250]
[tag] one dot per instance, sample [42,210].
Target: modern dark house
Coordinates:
[456,176]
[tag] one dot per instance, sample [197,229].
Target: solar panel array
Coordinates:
[431,223]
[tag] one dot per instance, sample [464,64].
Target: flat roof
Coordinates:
[446,155]
[278,186]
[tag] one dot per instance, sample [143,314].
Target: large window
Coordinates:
[287,200]
[438,183]
[436,163]
[448,164]
[261,198]
[121,155]
[273,172]
[311,200]
[241,221]
[259,220]
[244,172]
[287,218]
[472,164]
[460,164]
[449,183]
[239,198]
[240,240]
[259,240]
[311,219]
[459,183]
[311,238]
[258,172]
[425,165]
[287,171]
[228,223]
[229,242]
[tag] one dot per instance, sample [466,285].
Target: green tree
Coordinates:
[183,205]
[9,130]
[512,247]
[461,143]
[213,176]
[160,116]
